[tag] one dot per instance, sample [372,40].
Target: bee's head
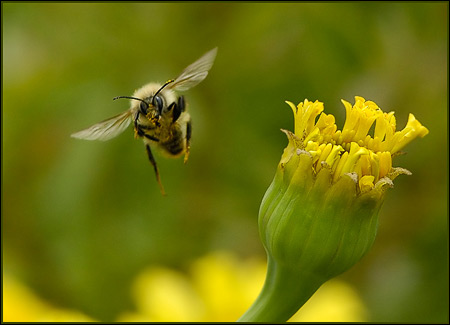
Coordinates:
[153,104]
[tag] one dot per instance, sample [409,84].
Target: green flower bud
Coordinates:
[320,214]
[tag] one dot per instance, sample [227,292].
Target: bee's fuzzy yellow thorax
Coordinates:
[150,89]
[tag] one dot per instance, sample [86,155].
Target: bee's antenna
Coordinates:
[159,90]
[130,98]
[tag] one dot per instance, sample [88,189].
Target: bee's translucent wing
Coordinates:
[106,129]
[195,73]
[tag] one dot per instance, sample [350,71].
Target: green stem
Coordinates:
[282,295]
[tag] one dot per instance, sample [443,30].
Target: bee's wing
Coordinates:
[195,73]
[106,129]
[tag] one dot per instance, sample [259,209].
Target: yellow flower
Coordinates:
[320,214]
[336,301]
[352,150]
[219,287]
[21,304]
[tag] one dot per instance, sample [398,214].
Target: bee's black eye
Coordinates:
[158,103]
[143,106]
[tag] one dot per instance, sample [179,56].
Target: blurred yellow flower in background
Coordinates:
[21,304]
[220,287]
[335,301]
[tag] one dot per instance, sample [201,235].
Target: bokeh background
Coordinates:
[83,221]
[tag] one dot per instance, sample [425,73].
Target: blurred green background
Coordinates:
[80,219]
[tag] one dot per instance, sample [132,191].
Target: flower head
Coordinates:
[320,214]
[352,150]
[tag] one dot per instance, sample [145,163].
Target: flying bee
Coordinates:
[158,114]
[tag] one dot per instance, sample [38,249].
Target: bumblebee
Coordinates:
[159,115]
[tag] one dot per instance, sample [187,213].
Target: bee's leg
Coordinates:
[188,140]
[181,103]
[175,114]
[149,136]
[153,162]
[177,109]
[137,131]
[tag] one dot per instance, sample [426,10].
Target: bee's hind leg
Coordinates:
[188,140]
[155,167]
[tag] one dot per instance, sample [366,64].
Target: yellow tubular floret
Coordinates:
[366,183]
[412,130]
